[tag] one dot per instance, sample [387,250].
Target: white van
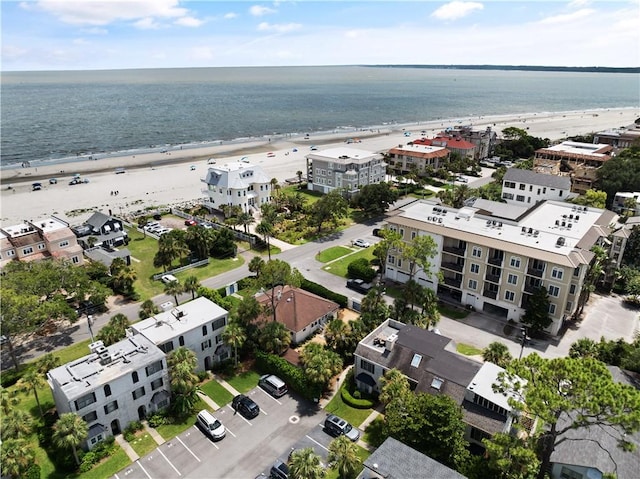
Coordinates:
[211,426]
[273,385]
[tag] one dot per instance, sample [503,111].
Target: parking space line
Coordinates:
[230,432]
[235,413]
[270,396]
[185,446]
[143,469]
[263,412]
[312,439]
[168,461]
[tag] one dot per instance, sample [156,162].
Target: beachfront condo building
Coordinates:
[526,187]
[418,158]
[346,169]
[579,161]
[112,386]
[619,137]
[237,184]
[49,238]
[492,256]
[197,325]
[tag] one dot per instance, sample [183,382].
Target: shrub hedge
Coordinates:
[290,374]
[323,292]
[361,269]
[352,396]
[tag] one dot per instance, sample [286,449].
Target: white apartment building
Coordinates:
[237,184]
[347,169]
[621,200]
[112,386]
[492,256]
[197,325]
[526,187]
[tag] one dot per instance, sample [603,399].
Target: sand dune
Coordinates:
[157,179]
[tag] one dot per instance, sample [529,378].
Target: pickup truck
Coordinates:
[359,285]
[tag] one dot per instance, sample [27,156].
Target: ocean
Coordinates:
[60,116]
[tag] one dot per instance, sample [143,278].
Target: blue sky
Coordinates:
[112,34]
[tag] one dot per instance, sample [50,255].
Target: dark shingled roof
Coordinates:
[395,460]
[542,179]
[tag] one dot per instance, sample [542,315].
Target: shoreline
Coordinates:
[159,179]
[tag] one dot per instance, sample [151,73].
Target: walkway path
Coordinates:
[126,447]
[226,385]
[153,433]
[210,402]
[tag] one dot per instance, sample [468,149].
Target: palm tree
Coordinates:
[343,456]
[235,337]
[305,464]
[255,265]
[32,380]
[335,333]
[8,399]
[16,424]
[191,285]
[199,240]
[393,385]
[245,219]
[123,279]
[184,383]
[69,432]
[16,457]
[584,348]
[497,353]
[265,228]
[274,338]
[142,222]
[148,309]
[174,288]
[47,363]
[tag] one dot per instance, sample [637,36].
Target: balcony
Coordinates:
[494,278]
[454,283]
[452,267]
[535,272]
[496,260]
[530,288]
[453,250]
[490,294]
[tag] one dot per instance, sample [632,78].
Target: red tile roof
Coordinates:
[447,141]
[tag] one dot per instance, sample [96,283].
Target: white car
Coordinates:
[361,243]
[462,179]
[168,278]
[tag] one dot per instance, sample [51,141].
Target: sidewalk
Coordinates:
[126,447]
[226,385]
[153,433]
[210,402]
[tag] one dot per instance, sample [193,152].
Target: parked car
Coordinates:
[36,186]
[190,222]
[271,154]
[361,243]
[461,179]
[279,470]
[87,307]
[359,285]
[313,148]
[245,406]
[211,425]
[75,181]
[376,232]
[168,278]
[273,385]
[53,181]
[120,171]
[337,426]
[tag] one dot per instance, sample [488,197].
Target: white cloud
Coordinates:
[259,10]
[230,15]
[147,24]
[456,10]
[104,12]
[95,31]
[279,28]
[188,22]
[567,17]
[201,53]
[80,41]
[578,3]
[10,52]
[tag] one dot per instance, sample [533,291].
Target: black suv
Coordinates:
[359,285]
[279,470]
[245,406]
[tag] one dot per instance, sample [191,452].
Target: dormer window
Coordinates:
[415,362]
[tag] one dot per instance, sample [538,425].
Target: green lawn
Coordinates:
[116,462]
[339,267]
[169,431]
[354,416]
[244,382]
[451,312]
[218,393]
[468,350]
[363,454]
[330,254]
[143,444]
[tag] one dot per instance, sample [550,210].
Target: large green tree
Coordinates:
[69,431]
[305,464]
[275,274]
[148,309]
[418,253]
[16,457]
[114,330]
[393,385]
[570,395]
[16,424]
[620,173]
[274,338]
[508,457]
[319,364]
[593,198]
[374,199]
[536,315]
[330,208]
[391,240]
[497,353]
[31,381]
[343,457]
[235,336]
[182,363]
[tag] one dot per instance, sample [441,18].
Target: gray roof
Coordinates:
[597,447]
[394,459]
[497,209]
[98,219]
[105,257]
[541,179]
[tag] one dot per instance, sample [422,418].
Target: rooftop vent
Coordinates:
[560,241]
[524,229]
[93,347]
[105,358]
[557,222]
[488,222]
[536,233]
[577,217]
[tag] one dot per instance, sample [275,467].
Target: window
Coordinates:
[41,246]
[134,376]
[156,383]
[154,368]
[204,329]
[90,417]
[569,306]
[557,273]
[509,184]
[181,340]
[392,259]
[521,186]
[473,284]
[218,323]
[85,400]
[62,244]
[509,295]
[554,291]
[566,473]
[552,308]
[520,198]
[515,262]
[415,362]
[166,347]
[11,252]
[576,271]
[218,338]
[367,366]
[572,289]
[512,279]
[475,268]
[112,406]
[107,390]
[206,344]
[402,232]
[507,196]
[75,260]
[413,235]
[28,250]
[476,252]
[138,393]
[478,434]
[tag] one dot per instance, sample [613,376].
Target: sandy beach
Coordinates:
[159,179]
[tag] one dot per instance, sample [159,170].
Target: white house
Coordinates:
[197,325]
[237,184]
[112,386]
[526,187]
[620,199]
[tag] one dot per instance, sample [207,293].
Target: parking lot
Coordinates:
[249,447]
